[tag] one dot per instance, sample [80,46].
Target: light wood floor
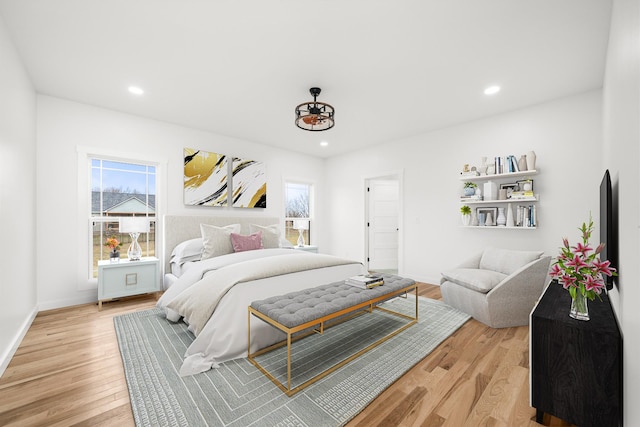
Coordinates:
[68,371]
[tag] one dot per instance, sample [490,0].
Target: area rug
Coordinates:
[238,394]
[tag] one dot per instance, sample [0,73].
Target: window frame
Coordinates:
[84,265]
[287,219]
[102,219]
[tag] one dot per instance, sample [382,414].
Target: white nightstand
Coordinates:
[126,278]
[308,248]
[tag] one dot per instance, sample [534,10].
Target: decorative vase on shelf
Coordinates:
[483,166]
[510,222]
[531,160]
[490,191]
[501,220]
[466,219]
[579,307]
[489,221]
[522,163]
[469,191]
[474,218]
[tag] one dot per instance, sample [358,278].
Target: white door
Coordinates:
[384,197]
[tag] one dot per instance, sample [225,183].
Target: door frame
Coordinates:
[391,175]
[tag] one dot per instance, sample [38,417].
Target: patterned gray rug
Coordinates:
[237,394]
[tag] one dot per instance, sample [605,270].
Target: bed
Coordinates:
[216,266]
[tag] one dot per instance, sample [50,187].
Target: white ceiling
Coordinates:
[390,68]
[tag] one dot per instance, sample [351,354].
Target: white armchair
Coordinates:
[498,287]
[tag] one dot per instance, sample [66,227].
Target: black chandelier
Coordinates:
[315,116]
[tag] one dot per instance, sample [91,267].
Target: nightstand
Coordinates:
[126,278]
[307,248]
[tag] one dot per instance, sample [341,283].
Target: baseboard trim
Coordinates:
[6,357]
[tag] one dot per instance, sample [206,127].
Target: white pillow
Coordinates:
[217,240]
[270,235]
[505,260]
[475,279]
[189,250]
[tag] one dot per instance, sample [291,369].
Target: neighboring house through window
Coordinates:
[298,211]
[118,190]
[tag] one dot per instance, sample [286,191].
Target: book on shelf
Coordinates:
[365,281]
[522,195]
[475,197]
[526,216]
[514,163]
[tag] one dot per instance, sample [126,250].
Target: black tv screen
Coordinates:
[608,226]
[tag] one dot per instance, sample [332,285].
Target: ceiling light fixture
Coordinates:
[136,90]
[492,90]
[324,143]
[315,116]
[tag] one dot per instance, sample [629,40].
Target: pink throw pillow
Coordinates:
[246,243]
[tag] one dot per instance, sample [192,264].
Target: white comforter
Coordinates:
[220,289]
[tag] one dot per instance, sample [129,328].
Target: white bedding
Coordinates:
[224,336]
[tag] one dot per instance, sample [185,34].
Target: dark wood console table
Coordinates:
[576,366]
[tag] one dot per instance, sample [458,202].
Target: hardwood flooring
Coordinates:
[68,371]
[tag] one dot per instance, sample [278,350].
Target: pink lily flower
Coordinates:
[594,284]
[577,262]
[567,281]
[556,272]
[603,267]
[582,249]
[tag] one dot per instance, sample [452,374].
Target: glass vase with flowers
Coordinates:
[114,245]
[579,269]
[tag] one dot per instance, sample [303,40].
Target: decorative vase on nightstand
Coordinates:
[114,256]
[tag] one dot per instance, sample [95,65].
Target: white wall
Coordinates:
[566,137]
[621,155]
[17,200]
[68,130]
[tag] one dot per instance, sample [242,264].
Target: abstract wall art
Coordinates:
[249,184]
[205,178]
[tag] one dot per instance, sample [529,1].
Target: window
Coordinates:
[298,201]
[118,190]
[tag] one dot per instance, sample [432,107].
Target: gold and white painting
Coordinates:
[205,178]
[249,180]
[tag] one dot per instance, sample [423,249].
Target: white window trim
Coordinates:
[312,197]
[85,154]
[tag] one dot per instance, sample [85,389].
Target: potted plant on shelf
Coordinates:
[469,188]
[465,211]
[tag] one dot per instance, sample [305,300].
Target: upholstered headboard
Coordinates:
[178,228]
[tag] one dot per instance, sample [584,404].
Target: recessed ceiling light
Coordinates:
[324,143]
[136,90]
[492,90]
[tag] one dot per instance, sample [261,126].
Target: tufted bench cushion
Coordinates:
[296,308]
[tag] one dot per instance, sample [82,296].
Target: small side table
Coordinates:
[307,248]
[126,278]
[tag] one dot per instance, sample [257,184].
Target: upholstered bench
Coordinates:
[311,308]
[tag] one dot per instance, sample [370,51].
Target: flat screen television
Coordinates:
[608,226]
